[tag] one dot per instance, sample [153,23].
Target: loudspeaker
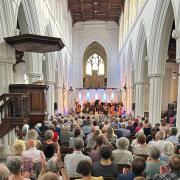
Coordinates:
[133,106]
[55,106]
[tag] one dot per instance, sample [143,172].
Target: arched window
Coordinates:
[95,62]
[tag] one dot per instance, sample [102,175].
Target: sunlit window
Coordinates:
[95,62]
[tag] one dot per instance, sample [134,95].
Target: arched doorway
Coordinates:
[95,66]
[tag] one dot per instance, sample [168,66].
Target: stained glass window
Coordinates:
[95,62]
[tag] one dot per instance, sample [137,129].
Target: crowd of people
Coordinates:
[95,146]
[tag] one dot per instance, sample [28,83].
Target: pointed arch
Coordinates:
[140,51]
[160,34]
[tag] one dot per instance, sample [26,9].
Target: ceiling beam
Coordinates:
[83,10]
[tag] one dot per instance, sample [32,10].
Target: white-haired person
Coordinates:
[167,151]
[121,155]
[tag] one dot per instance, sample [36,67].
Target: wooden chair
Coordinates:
[122,166]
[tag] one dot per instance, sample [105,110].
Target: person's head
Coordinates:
[55,122]
[138,165]
[154,153]
[168,148]
[163,122]
[52,166]
[174,131]
[110,132]
[105,152]
[141,139]
[84,167]
[31,143]
[32,134]
[122,143]
[96,133]
[4,172]
[123,126]
[160,135]
[18,147]
[95,123]
[78,143]
[49,135]
[174,163]
[14,164]
[52,127]
[77,132]
[100,140]
[49,176]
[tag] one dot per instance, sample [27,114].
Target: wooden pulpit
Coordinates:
[37,103]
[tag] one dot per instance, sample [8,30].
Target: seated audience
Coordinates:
[153,163]
[49,147]
[105,167]
[173,136]
[137,169]
[117,131]
[126,132]
[173,173]
[160,140]
[110,135]
[14,164]
[71,160]
[167,151]
[84,168]
[91,140]
[122,155]
[94,154]
[141,147]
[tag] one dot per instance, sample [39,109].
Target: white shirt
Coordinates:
[71,161]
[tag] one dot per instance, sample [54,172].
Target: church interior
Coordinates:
[89,89]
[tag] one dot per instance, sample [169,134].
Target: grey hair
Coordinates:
[122,143]
[52,166]
[168,148]
[4,172]
[14,164]
[32,134]
[154,152]
[48,134]
[161,135]
[78,143]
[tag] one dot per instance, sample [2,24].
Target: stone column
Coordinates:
[176,35]
[139,99]
[155,98]
[7,59]
[59,95]
[129,99]
[50,98]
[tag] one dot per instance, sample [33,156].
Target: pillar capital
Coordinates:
[34,74]
[175,34]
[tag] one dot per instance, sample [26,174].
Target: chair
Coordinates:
[109,178]
[122,166]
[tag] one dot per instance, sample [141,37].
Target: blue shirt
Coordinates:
[129,176]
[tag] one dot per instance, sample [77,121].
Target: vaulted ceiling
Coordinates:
[103,10]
